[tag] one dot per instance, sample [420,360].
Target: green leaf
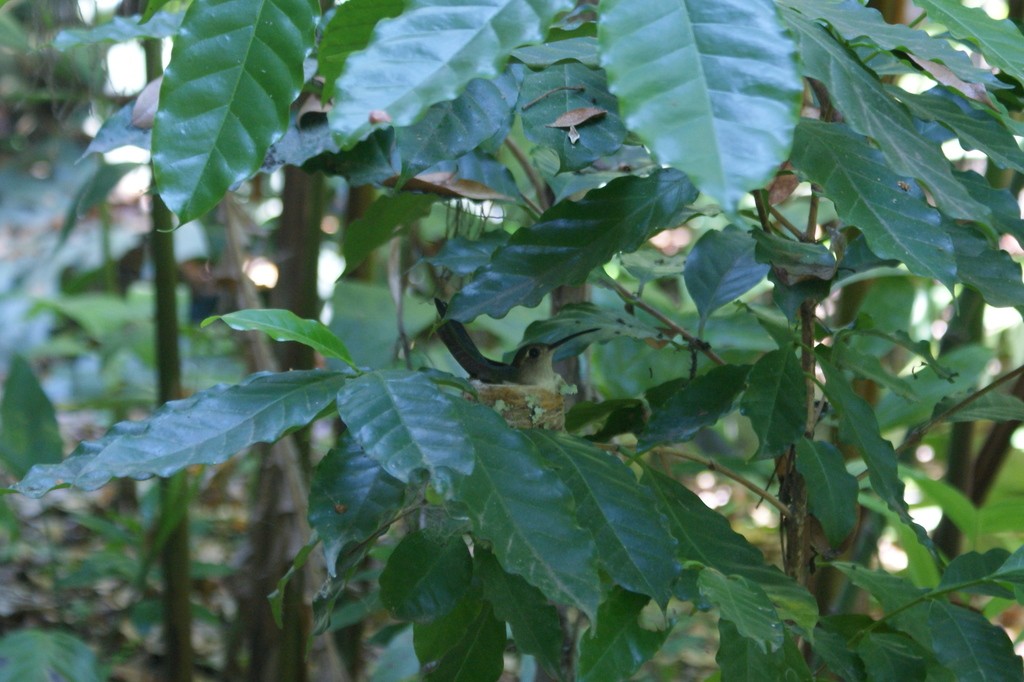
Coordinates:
[351,499]
[425,576]
[428,54]
[1000,41]
[711,88]
[548,94]
[705,537]
[525,511]
[858,427]
[892,592]
[32,655]
[972,572]
[349,31]
[774,401]
[892,656]
[207,428]
[582,49]
[93,193]
[29,433]
[986,268]
[1005,210]
[284,325]
[870,367]
[792,260]
[384,218]
[462,255]
[831,489]
[744,604]
[535,625]
[571,239]
[859,95]
[408,423]
[975,128]
[456,127]
[121,29]
[971,647]
[998,407]
[621,645]
[634,546]
[235,69]
[897,223]
[865,26]
[701,403]
[742,658]
[721,268]
[467,645]
[1013,568]
[575,317]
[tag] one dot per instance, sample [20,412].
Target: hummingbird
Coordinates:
[531,365]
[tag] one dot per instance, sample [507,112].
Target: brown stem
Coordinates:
[539,186]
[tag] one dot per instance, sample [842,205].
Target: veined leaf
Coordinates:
[971,647]
[121,29]
[235,70]
[351,498]
[621,645]
[571,239]
[700,403]
[409,424]
[428,54]
[425,576]
[774,401]
[525,511]
[1000,41]
[633,545]
[711,87]
[284,325]
[897,223]
[349,31]
[831,489]
[207,428]
[858,427]
[29,433]
[464,646]
[382,219]
[721,267]
[986,268]
[742,658]
[859,95]
[861,25]
[535,625]
[744,604]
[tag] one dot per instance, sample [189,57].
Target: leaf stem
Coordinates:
[539,186]
[574,88]
[701,345]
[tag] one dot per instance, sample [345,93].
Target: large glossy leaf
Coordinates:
[351,499]
[235,69]
[527,514]
[986,268]
[549,94]
[571,239]
[974,128]
[868,109]
[207,428]
[535,624]
[897,223]
[428,54]
[450,129]
[999,41]
[861,25]
[1005,209]
[700,403]
[284,325]
[634,546]
[28,423]
[892,656]
[409,424]
[426,575]
[711,87]
[581,49]
[349,31]
[705,536]
[831,489]
[858,427]
[721,267]
[744,604]
[774,401]
[616,649]
[971,647]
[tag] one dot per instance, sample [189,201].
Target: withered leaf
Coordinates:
[576,117]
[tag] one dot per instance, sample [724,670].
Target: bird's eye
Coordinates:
[534,352]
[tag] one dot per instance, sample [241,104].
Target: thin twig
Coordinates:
[712,465]
[574,88]
[784,221]
[762,211]
[812,214]
[699,344]
[539,186]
